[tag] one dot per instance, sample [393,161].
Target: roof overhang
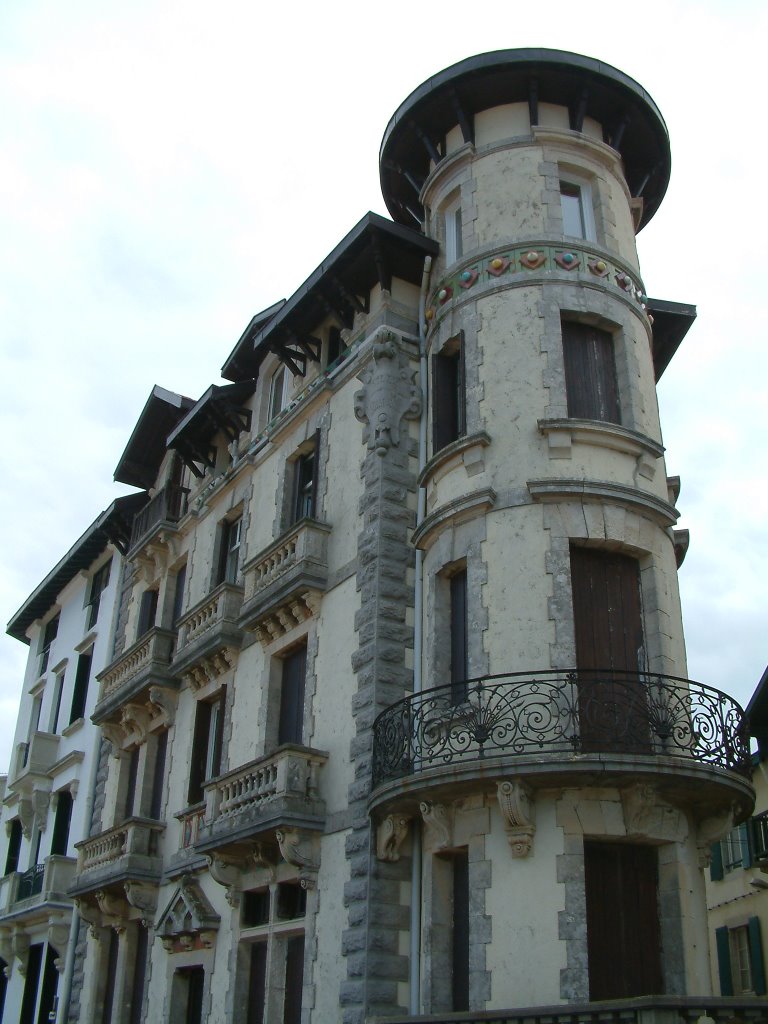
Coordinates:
[757,715]
[374,251]
[144,453]
[112,526]
[632,123]
[219,409]
[671,323]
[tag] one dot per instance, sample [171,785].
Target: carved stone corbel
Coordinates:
[263,857]
[26,816]
[6,952]
[58,936]
[227,873]
[517,810]
[142,897]
[163,703]
[90,914]
[389,394]
[647,815]
[113,907]
[41,799]
[438,820]
[20,951]
[390,836]
[115,735]
[298,849]
[712,830]
[134,719]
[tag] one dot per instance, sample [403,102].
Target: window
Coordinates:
[229,557]
[460,932]
[337,350]
[58,690]
[272,973]
[732,852]
[131,780]
[576,206]
[178,593]
[139,973]
[206,745]
[278,392]
[448,394]
[304,501]
[740,959]
[80,694]
[49,635]
[291,724]
[147,612]
[454,248]
[98,586]
[158,777]
[188,988]
[61,821]
[590,373]
[459,637]
[14,847]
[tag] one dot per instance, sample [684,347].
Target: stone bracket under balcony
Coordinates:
[145,664]
[209,636]
[284,582]
[264,806]
[124,862]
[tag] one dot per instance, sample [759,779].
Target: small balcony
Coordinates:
[555,726]
[281,789]
[160,513]
[42,883]
[146,663]
[127,852]
[283,581]
[33,759]
[209,633]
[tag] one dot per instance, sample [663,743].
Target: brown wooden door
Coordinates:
[623,935]
[609,638]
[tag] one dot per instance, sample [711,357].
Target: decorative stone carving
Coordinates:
[297,848]
[115,734]
[187,913]
[41,799]
[390,836]
[20,951]
[58,936]
[163,702]
[6,951]
[227,873]
[26,816]
[142,897]
[263,857]
[278,621]
[517,810]
[90,914]
[113,907]
[134,719]
[710,831]
[389,394]
[437,819]
[647,815]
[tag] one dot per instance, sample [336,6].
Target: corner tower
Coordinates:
[562,776]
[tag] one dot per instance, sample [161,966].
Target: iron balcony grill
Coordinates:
[31,882]
[167,506]
[560,712]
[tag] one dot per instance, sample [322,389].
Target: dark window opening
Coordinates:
[31,982]
[61,822]
[305,485]
[229,560]
[49,635]
[130,789]
[206,746]
[460,932]
[291,724]
[337,350]
[257,983]
[255,908]
[590,373]
[14,847]
[178,593]
[99,584]
[459,627]
[291,901]
[448,394]
[147,612]
[158,777]
[294,979]
[80,693]
[57,695]
[110,977]
[139,974]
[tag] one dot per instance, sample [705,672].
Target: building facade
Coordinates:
[397,717]
[68,622]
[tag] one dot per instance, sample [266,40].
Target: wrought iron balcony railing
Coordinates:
[167,506]
[31,882]
[568,712]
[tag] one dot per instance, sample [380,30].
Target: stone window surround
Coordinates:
[304,634]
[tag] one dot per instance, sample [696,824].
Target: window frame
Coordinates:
[449,393]
[47,638]
[230,544]
[590,372]
[304,484]
[293,695]
[453,230]
[82,683]
[278,392]
[207,745]
[99,583]
[574,187]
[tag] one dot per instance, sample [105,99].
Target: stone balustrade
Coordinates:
[147,661]
[209,634]
[136,841]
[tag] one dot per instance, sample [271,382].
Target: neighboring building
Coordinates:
[737,889]
[68,622]
[398,710]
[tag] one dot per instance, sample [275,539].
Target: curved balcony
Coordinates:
[560,728]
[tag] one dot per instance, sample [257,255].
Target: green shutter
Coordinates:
[746,846]
[756,956]
[724,961]
[716,865]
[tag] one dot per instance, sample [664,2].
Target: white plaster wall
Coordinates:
[330,967]
[525,955]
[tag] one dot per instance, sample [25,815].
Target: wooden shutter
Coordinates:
[294,979]
[723,946]
[756,962]
[291,725]
[716,864]
[80,693]
[590,373]
[623,933]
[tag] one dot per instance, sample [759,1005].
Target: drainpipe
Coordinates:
[418,643]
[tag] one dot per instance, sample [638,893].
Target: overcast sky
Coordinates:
[169,169]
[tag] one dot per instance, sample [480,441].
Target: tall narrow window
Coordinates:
[206,745]
[257,983]
[14,847]
[590,373]
[294,669]
[460,932]
[454,247]
[178,593]
[46,642]
[130,789]
[304,486]
[61,822]
[110,977]
[147,612]
[31,982]
[448,394]
[229,563]
[158,777]
[459,637]
[80,694]
[278,392]
[294,979]
[576,207]
[740,960]
[58,690]
[337,350]
[187,993]
[99,584]
[139,973]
